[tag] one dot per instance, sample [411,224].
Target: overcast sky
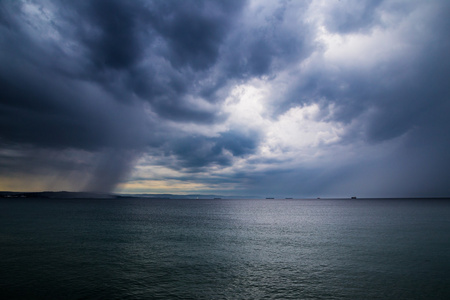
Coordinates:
[320,98]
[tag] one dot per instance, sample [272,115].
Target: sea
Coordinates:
[224,249]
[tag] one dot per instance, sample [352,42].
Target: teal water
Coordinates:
[224,249]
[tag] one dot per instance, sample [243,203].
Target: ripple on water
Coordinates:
[238,249]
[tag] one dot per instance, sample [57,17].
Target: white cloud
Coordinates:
[301,128]
[247,105]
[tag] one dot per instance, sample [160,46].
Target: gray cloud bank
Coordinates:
[301,98]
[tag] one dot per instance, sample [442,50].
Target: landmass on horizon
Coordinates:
[91,195]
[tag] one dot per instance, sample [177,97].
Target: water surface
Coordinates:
[224,249]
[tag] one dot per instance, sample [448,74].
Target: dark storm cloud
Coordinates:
[158,50]
[78,75]
[111,32]
[197,151]
[44,105]
[194,30]
[263,49]
[102,82]
[58,113]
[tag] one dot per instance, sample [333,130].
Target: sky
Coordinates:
[318,98]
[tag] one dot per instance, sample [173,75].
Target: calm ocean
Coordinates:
[224,249]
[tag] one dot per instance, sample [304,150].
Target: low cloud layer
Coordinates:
[299,99]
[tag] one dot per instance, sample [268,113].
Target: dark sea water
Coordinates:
[224,249]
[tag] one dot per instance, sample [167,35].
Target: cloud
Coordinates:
[252,97]
[349,16]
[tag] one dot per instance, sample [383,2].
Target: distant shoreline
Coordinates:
[92,195]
